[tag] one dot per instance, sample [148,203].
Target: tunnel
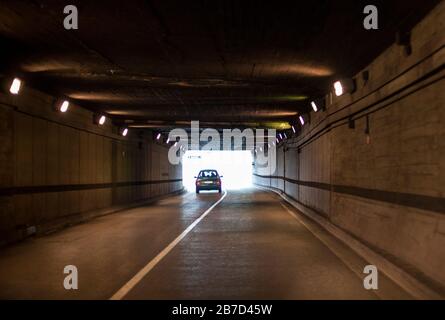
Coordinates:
[212,150]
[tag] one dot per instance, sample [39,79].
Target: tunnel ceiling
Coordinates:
[224,61]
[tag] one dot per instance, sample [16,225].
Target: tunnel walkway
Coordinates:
[247,247]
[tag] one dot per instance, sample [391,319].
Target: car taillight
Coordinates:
[198,182]
[218,181]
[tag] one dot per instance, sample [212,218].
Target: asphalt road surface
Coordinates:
[249,245]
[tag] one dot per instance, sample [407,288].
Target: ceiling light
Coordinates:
[158,136]
[314,106]
[281,137]
[15,86]
[168,140]
[293,129]
[102,119]
[285,136]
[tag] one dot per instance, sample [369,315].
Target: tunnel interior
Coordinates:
[330,126]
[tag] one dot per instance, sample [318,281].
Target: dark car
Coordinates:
[208,180]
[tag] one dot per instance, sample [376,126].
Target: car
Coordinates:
[208,179]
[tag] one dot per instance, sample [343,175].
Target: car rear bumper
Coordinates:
[209,187]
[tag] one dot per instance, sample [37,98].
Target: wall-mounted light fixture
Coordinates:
[344,86]
[365,76]
[293,129]
[367,130]
[301,120]
[15,87]
[61,105]
[64,106]
[314,106]
[351,123]
[158,136]
[123,131]
[338,88]
[403,38]
[99,119]
[319,104]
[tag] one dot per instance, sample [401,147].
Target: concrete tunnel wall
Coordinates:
[389,193]
[60,168]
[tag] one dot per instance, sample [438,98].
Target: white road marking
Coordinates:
[122,292]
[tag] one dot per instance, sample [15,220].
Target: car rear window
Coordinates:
[208,174]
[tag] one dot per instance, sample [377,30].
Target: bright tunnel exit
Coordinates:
[234,166]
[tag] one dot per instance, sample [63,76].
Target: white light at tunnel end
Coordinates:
[265,162]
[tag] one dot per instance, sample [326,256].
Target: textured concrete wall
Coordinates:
[45,156]
[390,192]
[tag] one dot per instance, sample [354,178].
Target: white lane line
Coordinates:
[122,292]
